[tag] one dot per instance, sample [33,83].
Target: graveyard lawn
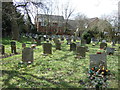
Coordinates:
[59,70]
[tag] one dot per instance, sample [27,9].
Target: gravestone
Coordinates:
[81,51]
[97,60]
[103,45]
[2,49]
[27,55]
[83,41]
[58,46]
[47,48]
[23,45]
[110,51]
[72,47]
[13,47]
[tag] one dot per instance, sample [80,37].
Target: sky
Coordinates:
[91,8]
[94,8]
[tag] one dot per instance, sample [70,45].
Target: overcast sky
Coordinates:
[94,8]
[91,8]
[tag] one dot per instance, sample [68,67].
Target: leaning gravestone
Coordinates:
[81,51]
[103,45]
[98,59]
[27,55]
[110,50]
[72,47]
[13,47]
[47,48]
[2,49]
[58,46]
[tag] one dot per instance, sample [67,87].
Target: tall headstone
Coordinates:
[110,51]
[72,47]
[47,48]
[13,47]
[81,51]
[97,60]
[103,45]
[2,49]
[27,55]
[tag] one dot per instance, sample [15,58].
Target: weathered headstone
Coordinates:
[13,47]
[72,47]
[103,45]
[97,60]
[27,55]
[110,51]
[81,51]
[2,49]
[23,45]
[58,46]
[47,48]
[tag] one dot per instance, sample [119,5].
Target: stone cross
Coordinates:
[72,47]
[98,59]
[27,55]
[81,51]
[13,47]
[47,48]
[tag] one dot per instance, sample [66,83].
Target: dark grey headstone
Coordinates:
[13,47]
[98,59]
[47,48]
[103,45]
[27,55]
[72,47]
[58,46]
[2,49]
[81,51]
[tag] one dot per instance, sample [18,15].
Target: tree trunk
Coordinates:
[15,29]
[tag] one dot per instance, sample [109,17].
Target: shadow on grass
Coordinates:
[13,73]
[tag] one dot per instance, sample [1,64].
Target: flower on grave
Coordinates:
[98,76]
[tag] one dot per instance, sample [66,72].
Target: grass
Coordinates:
[59,70]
